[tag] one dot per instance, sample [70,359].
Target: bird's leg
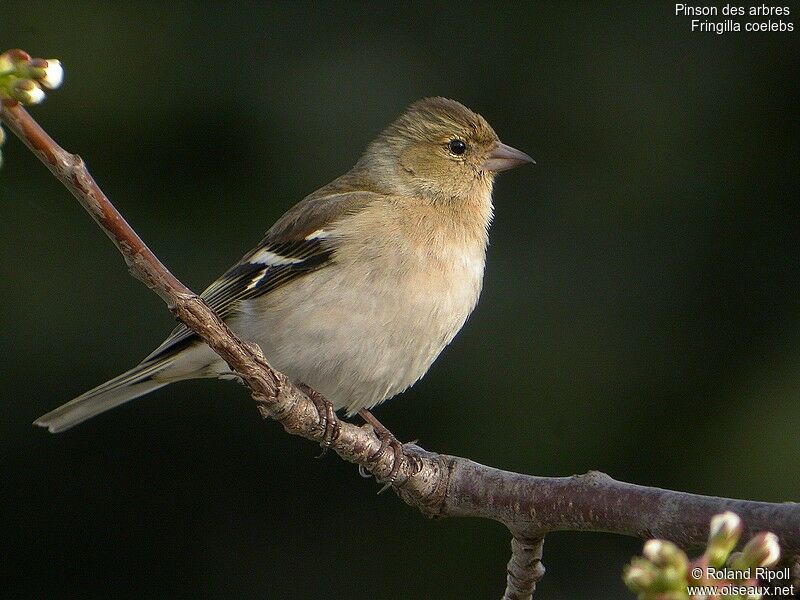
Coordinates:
[387,441]
[328,420]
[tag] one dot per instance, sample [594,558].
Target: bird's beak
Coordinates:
[504,157]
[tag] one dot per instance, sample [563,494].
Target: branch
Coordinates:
[436,484]
[524,569]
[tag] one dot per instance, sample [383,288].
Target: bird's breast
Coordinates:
[371,323]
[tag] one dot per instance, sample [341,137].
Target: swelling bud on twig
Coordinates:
[6,64]
[23,78]
[724,533]
[661,574]
[48,73]
[27,92]
[761,551]
[665,554]
[664,572]
[639,575]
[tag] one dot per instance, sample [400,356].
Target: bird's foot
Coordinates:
[328,421]
[388,441]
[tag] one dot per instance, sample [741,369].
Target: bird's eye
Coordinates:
[457,147]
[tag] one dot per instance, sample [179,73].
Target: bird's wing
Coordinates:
[301,241]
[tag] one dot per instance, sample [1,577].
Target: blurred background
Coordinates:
[640,313]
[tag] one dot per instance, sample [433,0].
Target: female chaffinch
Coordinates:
[356,290]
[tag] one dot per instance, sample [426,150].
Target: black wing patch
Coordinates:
[259,272]
[262,271]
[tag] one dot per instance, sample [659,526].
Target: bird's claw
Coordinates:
[388,441]
[328,421]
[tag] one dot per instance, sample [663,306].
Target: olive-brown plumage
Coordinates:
[356,289]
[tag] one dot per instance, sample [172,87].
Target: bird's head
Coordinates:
[441,150]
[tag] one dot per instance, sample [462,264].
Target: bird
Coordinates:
[357,289]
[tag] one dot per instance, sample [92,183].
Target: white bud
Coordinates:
[53,74]
[652,550]
[726,524]
[763,550]
[723,535]
[6,64]
[773,550]
[639,575]
[27,92]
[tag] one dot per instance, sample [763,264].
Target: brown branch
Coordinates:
[436,484]
[524,570]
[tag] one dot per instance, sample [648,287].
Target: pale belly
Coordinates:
[357,339]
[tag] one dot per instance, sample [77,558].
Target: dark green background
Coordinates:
[640,313]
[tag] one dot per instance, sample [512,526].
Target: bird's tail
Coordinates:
[131,384]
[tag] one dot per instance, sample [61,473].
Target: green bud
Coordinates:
[640,575]
[23,78]
[666,554]
[763,550]
[6,64]
[723,535]
[27,92]
[670,579]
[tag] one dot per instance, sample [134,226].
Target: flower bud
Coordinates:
[18,55]
[722,537]
[6,64]
[763,550]
[639,575]
[665,554]
[670,579]
[49,73]
[24,79]
[726,524]
[27,92]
